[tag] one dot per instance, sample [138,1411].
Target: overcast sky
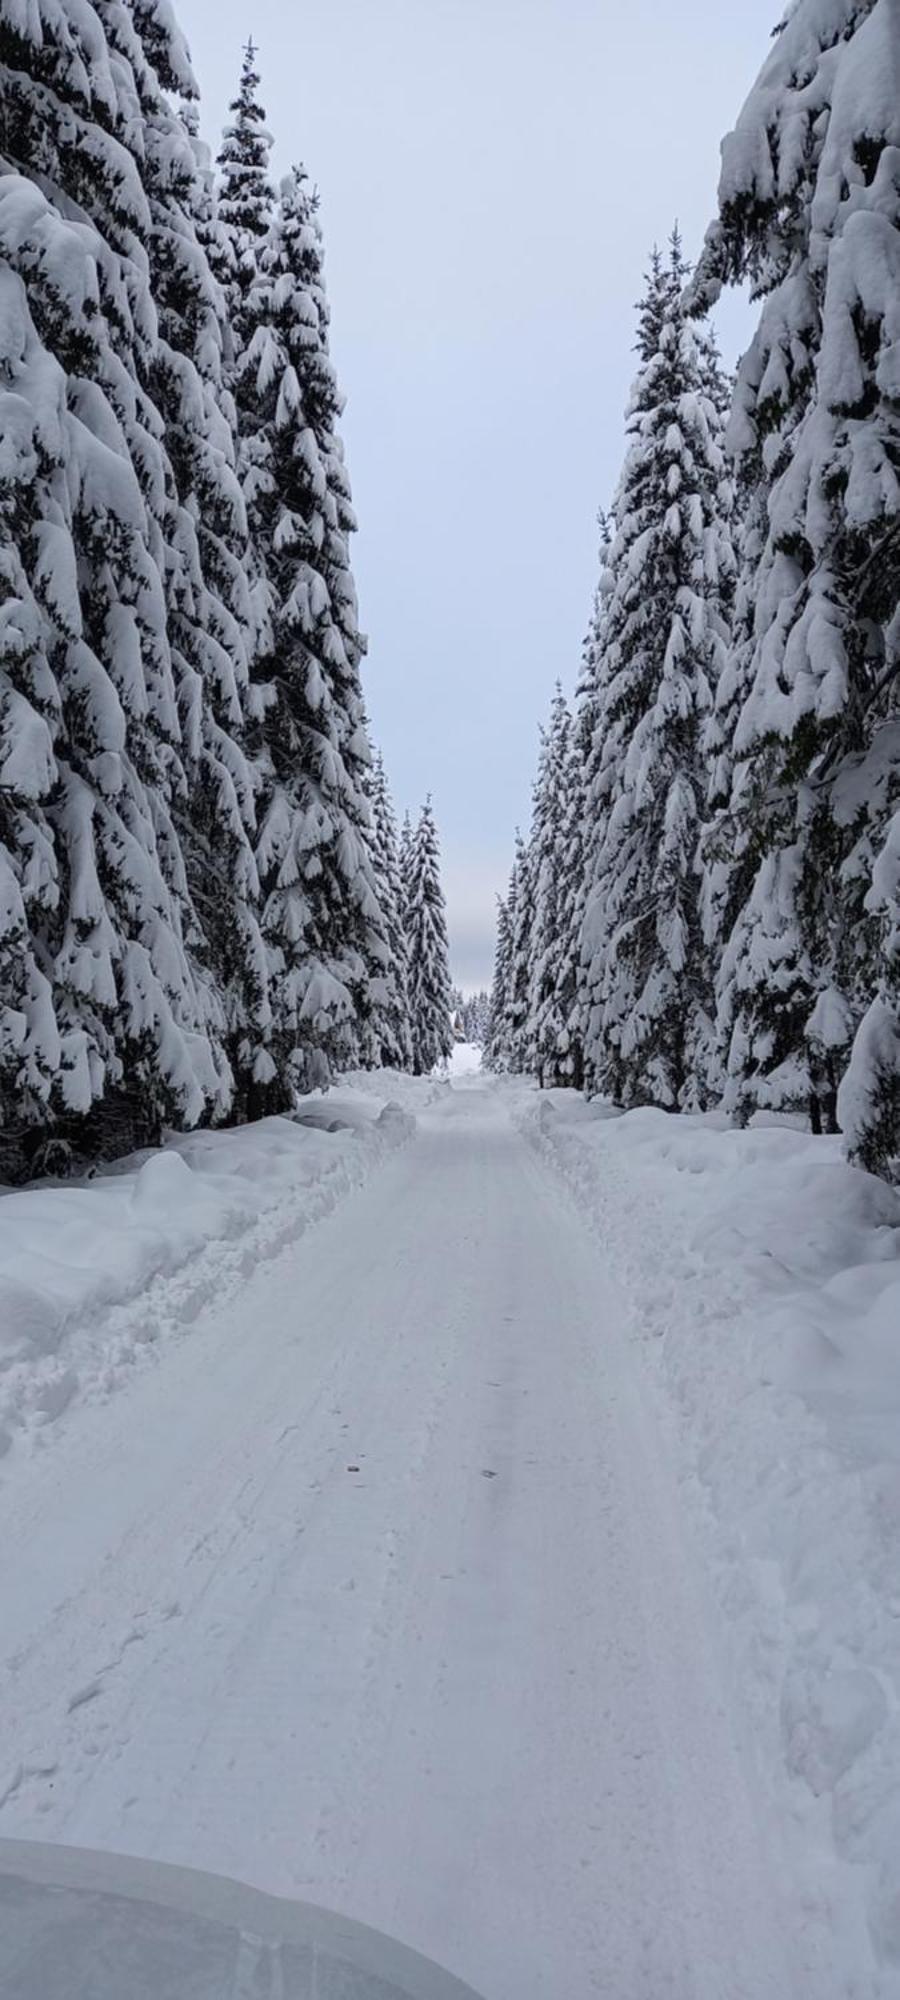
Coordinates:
[493,174]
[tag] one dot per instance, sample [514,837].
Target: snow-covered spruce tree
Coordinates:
[429,966]
[390,994]
[246,196]
[546,1038]
[581,837]
[31,1046]
[321,916]
[729,855]
[208,598]
[521,917]
[495,1054]
[647,973]
[809,213]
[234,231]
[110,1025]
[570,1046]
[504,1048]
[404,861]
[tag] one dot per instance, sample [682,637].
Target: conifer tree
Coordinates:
[111,1025]
[546,1025]
[391,982]
[810,214]
[246,196]
[729,851]
[236,231]
[496,1042]
[664,640]
[208,600]
[583,829]
[429,966]
[321,916]
[570,1039]
[404,862]
[521,912]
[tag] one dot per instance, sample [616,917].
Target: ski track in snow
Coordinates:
[378,1592]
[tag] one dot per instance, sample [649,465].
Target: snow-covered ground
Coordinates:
[465,1060]
[763,1282]
[94,1274]
[398,1583]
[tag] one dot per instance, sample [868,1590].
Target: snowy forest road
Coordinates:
[376,1591]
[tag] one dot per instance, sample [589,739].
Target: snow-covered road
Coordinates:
[377,1591]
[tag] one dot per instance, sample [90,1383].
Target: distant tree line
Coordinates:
[471,1014]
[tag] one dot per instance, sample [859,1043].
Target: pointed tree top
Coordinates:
[246,194]
[662,300]
[249,83]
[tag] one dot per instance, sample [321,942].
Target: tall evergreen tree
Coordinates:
[546,1035]
[647,975]
[496,1054]
[521,916]
[810,214]
[110,1016]
[570,1039]
[208,600]
[391,982]
[730,851]
[321,915]
[582,836]
[404,862]
[236,232]
[246,196]
[429,965]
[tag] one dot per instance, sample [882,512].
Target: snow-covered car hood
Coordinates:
[80,1925]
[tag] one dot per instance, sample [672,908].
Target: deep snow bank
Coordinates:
[95,1272]
[765,1279]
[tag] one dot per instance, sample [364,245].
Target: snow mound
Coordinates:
[765,1279]
[94,1273]
[410,1093]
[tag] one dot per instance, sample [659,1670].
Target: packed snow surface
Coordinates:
[392,1584]
[465,1059]
[92,1273]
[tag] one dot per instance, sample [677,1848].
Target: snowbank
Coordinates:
[765,1279]
[93,1273]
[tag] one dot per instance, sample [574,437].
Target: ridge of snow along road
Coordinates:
[765,1285]
[95,1273]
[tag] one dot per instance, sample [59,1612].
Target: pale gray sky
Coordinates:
[493,174]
